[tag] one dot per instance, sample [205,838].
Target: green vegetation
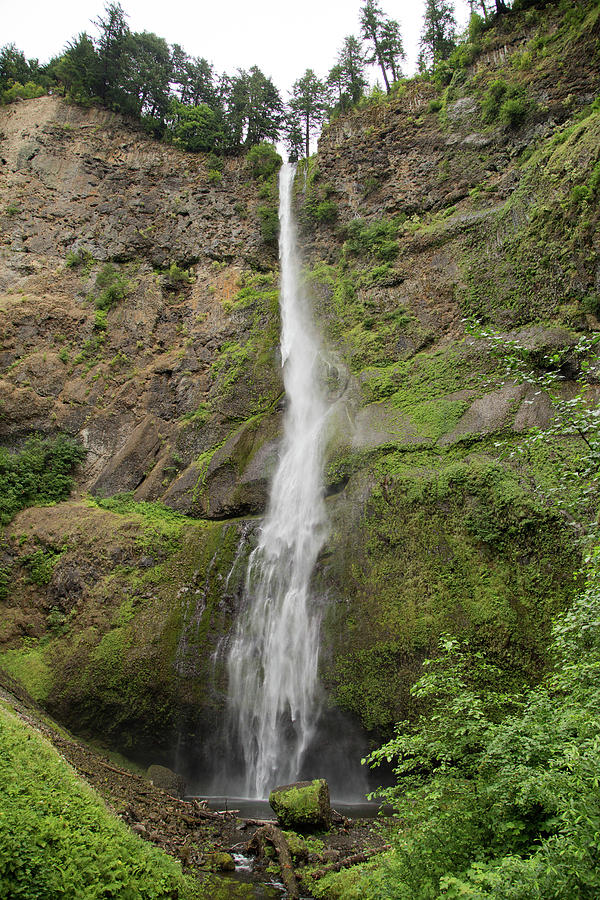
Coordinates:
[40,565]
[113,286]
[38,474]
[57,837]
[263,161]
[497,789]
[505,103]
[376,238]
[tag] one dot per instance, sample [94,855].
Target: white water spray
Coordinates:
[274,653]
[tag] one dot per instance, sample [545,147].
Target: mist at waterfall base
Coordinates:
[278,728]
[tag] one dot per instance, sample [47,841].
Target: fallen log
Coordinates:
[349,861]
[259,822]
[275,836]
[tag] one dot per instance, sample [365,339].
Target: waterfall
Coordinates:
[273,657]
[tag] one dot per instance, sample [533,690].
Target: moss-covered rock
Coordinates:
[303,805]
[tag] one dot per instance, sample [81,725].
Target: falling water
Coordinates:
[274,653]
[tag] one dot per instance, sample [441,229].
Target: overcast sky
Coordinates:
[281,39]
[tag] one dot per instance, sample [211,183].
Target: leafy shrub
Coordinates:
[40,565]
[18,91]
[513,112]
[175,277]
[497,790]
[434,106]
[377,238]
[113,287]
[195,128]
[40,473]
[100,321]
[76,258]
[504,103]
[326,211]
[263,160]
[269,223]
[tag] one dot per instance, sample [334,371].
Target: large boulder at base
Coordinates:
[167,780]
[302,805]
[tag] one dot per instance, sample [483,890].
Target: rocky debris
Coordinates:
[167,780]
[302,805]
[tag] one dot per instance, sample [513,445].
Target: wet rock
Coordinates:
[219,861]
[302,805]
[167,780]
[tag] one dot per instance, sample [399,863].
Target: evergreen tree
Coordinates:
[383,36]
[294,137]
[14,68]
[308,104]
[253,109]
[113,51]
[351,61]
[150,73]
[438,37]
[78,69]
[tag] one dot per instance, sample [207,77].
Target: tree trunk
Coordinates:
[274,835]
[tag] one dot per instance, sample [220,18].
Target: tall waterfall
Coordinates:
[273,657]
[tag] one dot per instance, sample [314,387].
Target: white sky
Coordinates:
[281,39]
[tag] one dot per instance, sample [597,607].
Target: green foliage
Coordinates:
[100,320]
[195,128]
[377,238]
[263,161]
[22,92]
[308,107]
[269,223]
[40,565]
[175,277]
[57,837]
[497,792]
[514,111]
[574,416]
[113,287]
[77,258]
[38,474]
[384,40]
[506,104]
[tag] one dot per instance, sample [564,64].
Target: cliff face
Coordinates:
[419,213]
[151,381]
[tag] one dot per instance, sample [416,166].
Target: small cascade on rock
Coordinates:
[272,663]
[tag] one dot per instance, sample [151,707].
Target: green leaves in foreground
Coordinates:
[499,794]
[58,840]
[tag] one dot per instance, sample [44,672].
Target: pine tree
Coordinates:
[308,104]
[383,36]
[438,37]
[351,60]
[112,47]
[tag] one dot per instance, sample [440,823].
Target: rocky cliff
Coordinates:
[138,311]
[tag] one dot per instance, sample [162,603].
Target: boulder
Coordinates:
[302,805]
[167,780]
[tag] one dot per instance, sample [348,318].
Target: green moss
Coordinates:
[460,545]
[300,806]
[29,666]
[549,258]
